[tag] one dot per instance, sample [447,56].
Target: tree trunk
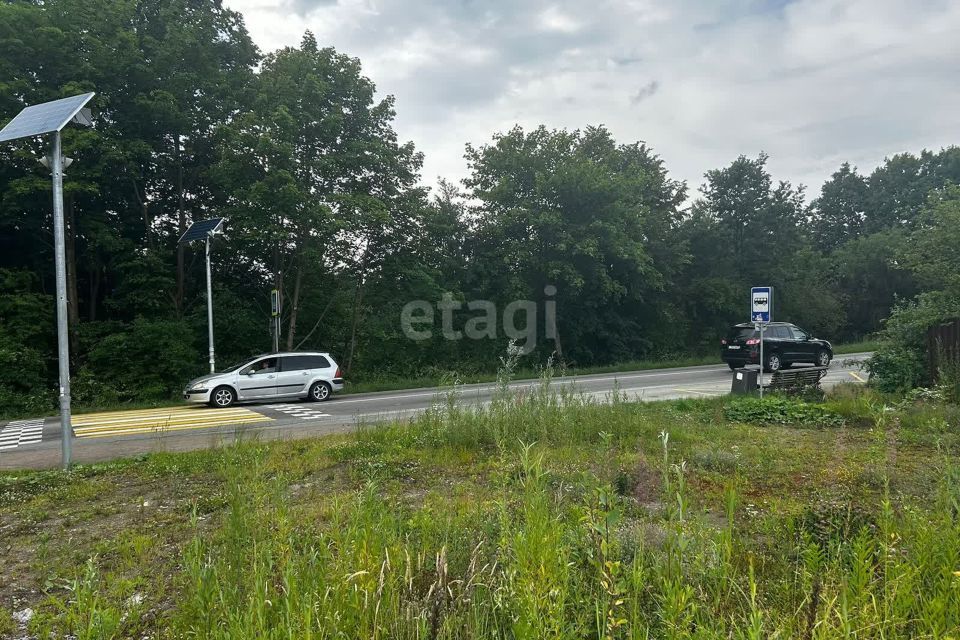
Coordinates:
[94,274]
[182,225]
[145,212]
[294,308]
[357,301]
[73,304]
[275,324]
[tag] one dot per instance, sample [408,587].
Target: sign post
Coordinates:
[275,318]
[761,313]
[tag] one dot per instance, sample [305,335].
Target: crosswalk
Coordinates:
[21,432]
[115,423]
[303,411]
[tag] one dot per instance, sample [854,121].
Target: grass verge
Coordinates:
[544,514]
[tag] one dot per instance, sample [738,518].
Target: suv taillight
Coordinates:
[753,341]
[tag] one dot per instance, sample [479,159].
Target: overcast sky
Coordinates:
[811,82]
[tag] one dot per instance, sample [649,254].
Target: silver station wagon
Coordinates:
[274,376]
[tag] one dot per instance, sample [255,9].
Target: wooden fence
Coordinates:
[943,345]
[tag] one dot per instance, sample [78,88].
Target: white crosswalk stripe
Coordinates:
[20,432]
[303,411]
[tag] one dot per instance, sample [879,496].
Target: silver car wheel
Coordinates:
[223,397]
[773,362]
[823,359]
[320,392]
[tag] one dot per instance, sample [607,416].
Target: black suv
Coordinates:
[783,344]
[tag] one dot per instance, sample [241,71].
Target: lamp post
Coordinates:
[37,120]
[206,229]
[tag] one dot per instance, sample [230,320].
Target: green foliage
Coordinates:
[774,409]
[324,203]
[901,360]
[7,624]
[146,360]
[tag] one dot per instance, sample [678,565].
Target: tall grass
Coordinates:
[553,559]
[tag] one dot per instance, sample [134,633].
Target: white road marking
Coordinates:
[20,432]
[304,412]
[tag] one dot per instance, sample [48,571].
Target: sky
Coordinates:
[812,83]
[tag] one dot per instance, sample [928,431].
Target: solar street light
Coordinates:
[205,230]
[38,120]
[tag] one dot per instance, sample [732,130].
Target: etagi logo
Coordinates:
[417,319]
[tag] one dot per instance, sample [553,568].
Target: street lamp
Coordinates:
[206,229]
[38,120]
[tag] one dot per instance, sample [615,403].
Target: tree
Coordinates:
[838,214]
[313,178]
[578,212]
[743,231]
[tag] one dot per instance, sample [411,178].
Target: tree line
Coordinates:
[324,203]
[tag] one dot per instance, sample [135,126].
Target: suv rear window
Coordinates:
[741,333]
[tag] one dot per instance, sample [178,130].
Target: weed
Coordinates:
[781,410]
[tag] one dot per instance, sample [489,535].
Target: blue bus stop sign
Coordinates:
[761,304]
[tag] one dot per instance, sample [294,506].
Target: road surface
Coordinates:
[35,443]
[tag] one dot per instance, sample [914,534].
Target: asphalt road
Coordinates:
[35,444]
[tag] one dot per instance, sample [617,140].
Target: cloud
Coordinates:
[813,82]
[646,91]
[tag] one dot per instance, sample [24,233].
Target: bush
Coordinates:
[900,362]
[147,360]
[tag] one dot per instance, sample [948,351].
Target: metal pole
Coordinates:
[761,360]
[213,367]
[63,345]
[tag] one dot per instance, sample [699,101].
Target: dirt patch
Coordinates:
[647,483]
[46,538]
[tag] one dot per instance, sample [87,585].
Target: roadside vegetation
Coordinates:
[544,514]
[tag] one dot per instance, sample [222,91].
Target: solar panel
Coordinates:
[44,118]
[199,230]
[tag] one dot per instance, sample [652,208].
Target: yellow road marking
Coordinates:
[160,420]
[122,417]
[106,426]
[856,376]
[159,430]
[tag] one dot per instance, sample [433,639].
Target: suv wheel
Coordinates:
[733,365]
[823,358]
[222,397]
[320,391]
[773,363]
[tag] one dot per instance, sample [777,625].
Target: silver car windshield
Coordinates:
[236,366]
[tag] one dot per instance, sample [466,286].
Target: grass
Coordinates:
[545,514]
[856,347]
